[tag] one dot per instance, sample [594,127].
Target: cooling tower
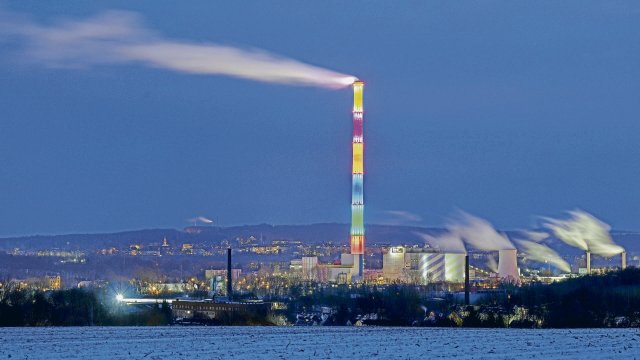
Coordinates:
[508,265]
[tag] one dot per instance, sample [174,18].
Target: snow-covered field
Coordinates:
[314,342]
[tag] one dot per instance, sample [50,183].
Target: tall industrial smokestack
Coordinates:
[623,259]
[229,279]
[357,177]
[588,262]
[466,279]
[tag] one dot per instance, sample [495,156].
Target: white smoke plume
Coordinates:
[542,253]
[397,217]
[584,231]
[201,219]
[534,235]
[479,233]
[119,37]
[446,242]
[492,263]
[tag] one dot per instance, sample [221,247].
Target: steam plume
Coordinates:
[479,233]
[536,236]
[542,253]
[446,242]
[584,231]
[492,263]
[118,37]
[201,219]
[397,217]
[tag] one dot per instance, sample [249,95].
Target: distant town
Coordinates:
[273,268]
[181,259]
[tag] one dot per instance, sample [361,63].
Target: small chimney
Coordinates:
[466,279]
[623,257]
[229,279]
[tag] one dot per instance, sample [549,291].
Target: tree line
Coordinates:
[73,307]
[610,300]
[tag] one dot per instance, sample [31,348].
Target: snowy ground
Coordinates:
[316,342]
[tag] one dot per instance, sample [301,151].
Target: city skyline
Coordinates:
[168,168]
[531,114]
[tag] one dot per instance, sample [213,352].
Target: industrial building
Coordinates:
[217,279]
[213,309]
[422,266]
[204,309]
[310,269]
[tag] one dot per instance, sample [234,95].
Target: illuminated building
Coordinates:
[454,268]
[393,263]
[422,266]
[330,273]
[357,193]
[203,309]
[218,280]
[187,249]
[135,249]
[211,273]
[309,267]
[53,282]
[266,249]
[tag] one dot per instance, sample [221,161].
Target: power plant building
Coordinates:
[339,274]
[309,268]
[422,266]
[454,267]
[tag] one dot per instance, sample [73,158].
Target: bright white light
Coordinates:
[119,297]
[346,80]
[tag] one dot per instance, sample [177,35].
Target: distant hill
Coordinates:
[308,234]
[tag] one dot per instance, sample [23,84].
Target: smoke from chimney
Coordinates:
[542,253]
[584,231]
[478,233]
[120,37]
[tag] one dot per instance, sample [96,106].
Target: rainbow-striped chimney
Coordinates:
[357,193]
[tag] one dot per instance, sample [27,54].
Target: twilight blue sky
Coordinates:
[506,109]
